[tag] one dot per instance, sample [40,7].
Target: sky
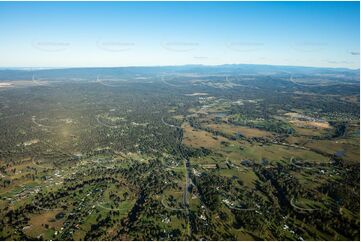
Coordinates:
[111,34]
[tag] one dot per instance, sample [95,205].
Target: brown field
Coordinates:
[178,117]
[296,119]
[37,223]
[312,124]
[303,131]
[209,166]
[200,138]
[272,152]
[232,129]
[254,152]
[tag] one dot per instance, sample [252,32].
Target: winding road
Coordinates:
[302,209]
[106,125]
[170,125]
[170,208]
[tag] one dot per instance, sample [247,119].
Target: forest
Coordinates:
[233,152]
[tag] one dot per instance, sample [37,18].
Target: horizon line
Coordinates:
[27,68]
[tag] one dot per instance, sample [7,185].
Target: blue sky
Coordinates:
[76,34]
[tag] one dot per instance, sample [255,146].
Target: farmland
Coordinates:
[167,153]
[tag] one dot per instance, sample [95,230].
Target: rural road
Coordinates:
[186,190]
[187,185]
[186,194]
[170,125]
[106,125]
[170,208]
[302,209]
